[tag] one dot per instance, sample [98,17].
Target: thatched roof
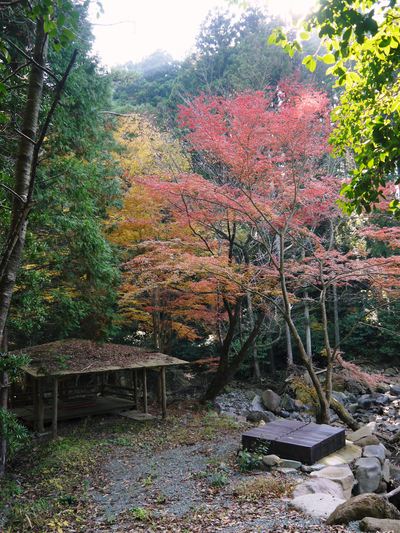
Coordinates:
[76,356]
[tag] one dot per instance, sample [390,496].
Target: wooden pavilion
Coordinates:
[76,378]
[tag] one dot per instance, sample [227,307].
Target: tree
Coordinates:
[48,23]
[361,39]
[262,218]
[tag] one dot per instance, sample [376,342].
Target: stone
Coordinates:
[353,408]
[367,441]
[359,507]
[365,401]
[285,470]
[341,397]
[375,450]
[271,400]
[386,471]
[290,463]
[317,505]
[368,472]
[341,474]
[364,431]
[256,404]
[345,455]
[287,403]
[395,389]
[257,416]
[271,460]
[319,485]
[394,472]
[385,525]
[299,405]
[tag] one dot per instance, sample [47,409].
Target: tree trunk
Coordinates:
[14,245]
[289,349]
[308,325]
[256,364]
[156,318]
[336,317]
[227,370]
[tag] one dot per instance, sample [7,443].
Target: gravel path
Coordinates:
[176,486]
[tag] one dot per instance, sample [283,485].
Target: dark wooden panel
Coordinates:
[291,439]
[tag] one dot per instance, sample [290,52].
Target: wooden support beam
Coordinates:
[163,392]
[144,390]
[40,405]
[135,388]
[55,407]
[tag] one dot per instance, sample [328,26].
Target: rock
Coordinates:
[395,389]
[380,524]
[345,455]
[367,441]
[283,470]
[299,405]
[341,474]
[364,431]
[381,399]
[394,472]
[368,473]
[290,463]
[365,401]
[361,506]
[341,397]
[375,450]
[318,505]
[271,400]
[386,471]
[319,485]
[256,416]
[287,403]
[382,488]
[271,460]
[256,404]
[353,407]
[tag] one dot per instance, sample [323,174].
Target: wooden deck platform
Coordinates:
[98,406]
[292,439]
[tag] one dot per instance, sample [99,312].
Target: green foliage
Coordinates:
[141,514]
[248,461]
[15,433]
[362,40]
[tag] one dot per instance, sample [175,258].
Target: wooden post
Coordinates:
[144,390]
[40,405]
[135,388]
[163,393]
[55,406]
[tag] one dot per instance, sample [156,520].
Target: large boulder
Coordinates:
[319,485]
[341,474]
[271,400]
[375,450]
[364,431]
[367,441]
[368,471]
[318,505]
[380,524]
[361,506]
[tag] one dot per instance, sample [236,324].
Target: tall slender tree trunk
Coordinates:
[256,364]
[308,325]
[289,348]
[12,252]
[156,318]
[336,317]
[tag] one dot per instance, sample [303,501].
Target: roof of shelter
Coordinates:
[76,356]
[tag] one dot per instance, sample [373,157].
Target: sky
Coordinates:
[129,30]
